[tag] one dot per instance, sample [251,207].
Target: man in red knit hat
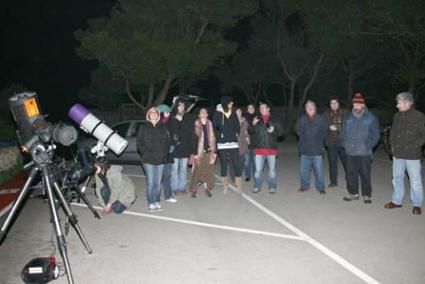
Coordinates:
[359,134]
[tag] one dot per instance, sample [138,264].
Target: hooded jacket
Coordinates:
[153,141]
[121,186]
[226,128]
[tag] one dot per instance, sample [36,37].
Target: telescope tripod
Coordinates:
[80,191]
[52,189]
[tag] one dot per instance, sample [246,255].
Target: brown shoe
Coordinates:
[302,189]
[392,205]
[417,210]
[322,192]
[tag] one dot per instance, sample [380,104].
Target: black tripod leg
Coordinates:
[17,203]
[87,202]
[86,183]
[59,235]
[71,216]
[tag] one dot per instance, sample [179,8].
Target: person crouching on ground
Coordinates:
[114,189]
[205,156]
[153,143]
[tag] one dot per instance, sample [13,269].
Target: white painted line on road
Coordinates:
[202,224]
[338,259]
[9,191]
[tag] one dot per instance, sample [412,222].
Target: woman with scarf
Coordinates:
[205,156]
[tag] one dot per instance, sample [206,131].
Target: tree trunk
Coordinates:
[130,95]
[311,82]
[151,94]
[292,92]
[164,91]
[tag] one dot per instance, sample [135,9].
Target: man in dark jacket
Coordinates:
[312,129]
[335,116]
[359,134]
[264,132]
[406,139]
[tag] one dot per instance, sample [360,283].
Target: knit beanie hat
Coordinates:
[358,98]
[164,108]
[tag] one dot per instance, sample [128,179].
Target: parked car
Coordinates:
[126,129]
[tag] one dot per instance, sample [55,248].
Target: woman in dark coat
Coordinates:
[153,143]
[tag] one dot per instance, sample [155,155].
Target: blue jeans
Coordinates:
[306,164]
[153,181]
[179,174]
[249,166]
[166,181]
[259,166]
[117,206]
[413,168]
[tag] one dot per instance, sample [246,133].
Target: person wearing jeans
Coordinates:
[165,112]
[153,144]
[312,161]
[153,182]
[312,129]
[179,175]
[114,189]
[260,160]
[183,137]
[406,139]
[264,132]
[117,206]
[413,168]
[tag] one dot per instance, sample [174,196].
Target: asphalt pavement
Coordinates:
[288,237]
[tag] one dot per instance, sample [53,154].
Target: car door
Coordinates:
[132,154]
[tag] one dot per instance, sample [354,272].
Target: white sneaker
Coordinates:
[171,200]
[158,206]
[152,207]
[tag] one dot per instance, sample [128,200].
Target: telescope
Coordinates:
[38,137]
[32,129]
[89,123]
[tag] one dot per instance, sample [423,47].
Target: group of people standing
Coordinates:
[351,136]
[244,141]
[170,141]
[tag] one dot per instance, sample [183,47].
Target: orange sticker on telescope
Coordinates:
[31,107]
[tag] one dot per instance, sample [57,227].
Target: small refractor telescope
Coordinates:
[107,138]
[32,128]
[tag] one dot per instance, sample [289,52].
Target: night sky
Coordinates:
[38,49]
